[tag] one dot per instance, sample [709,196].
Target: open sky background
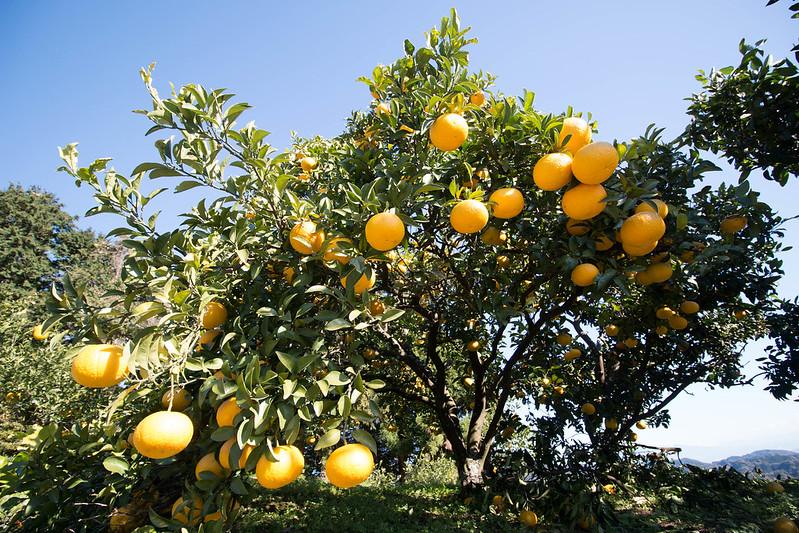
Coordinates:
[70,73]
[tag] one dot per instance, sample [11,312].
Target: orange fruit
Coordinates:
[498,502]
[288,274]
[678,322]
[376,307]
[564,339]
[630,342]
[580,133]
[553,171]
[528,518]
[661,330]
[664,313]
[662,208]
[469,216]
[603,243]
[573,354]
[478,98]
[224,453]
[308,164]
[510,202]
[612,330]
[213,315]
[382,108]
[493,236]
[207,339]
[208,463]
[473,346]
[588,409]
[37,333]
[689,307]
[350,465]
[334,252]
[642,278]
[189,512]
[227,411]
[610,423]
[583,201]
[288,466]
[594,163]
[222,513]
[784,525]
[577,227]
[449,132]
[583,275]
[179,398]
[163,434]
[637,251]
[739,313]
[99,365]
[733,224]
[362,284]
[642,228]
[384,231]
[313,239]
[659,272]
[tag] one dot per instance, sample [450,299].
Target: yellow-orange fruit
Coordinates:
[553,171]
[509,202]
[469,216]
[449,132]
[595,162]
[99,365]
[163,434]
[583,201]
[287,467]
[350,465]
[580,133]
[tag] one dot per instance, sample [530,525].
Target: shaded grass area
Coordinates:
[312,505]
[712,503]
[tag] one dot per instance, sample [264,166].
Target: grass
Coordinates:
[699,502]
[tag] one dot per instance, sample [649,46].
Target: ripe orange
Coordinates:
[213,315]
[733,224]
[223,513]
[494,237]
[641,424]
[678,322]
[595,162]
[603,243]
[642,278]
[583,275]
[179,398]
[334,252]
[37,333]
[610,423]
[210,465]
[499,503]
[642,228]
[349,465]
[99,365]
[564,339]
[163,434]
[659,272]
[207,339]
[376,307]
[469,216]
[227,411]
[637,251]
[784,525]
[384,231]
[383,108]
[308,164]
[510,202]
[583,201]
[478,98]
[630,342]
[586,522]
[306,230]
[580,133]
[287,467]
[553,171]
[588,409]
[362,284]
[662,208]
[573,354]
[528,518]
[577,227]
[224,453]
[739,313]
[664,313]
[449,132]
[661,330]
[189,512]
[689,307]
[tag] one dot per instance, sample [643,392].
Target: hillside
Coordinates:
[772,463]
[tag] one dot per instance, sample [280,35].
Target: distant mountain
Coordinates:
[771,462]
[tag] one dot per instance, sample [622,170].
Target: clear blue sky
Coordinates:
[70,73]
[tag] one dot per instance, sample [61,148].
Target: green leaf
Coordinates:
[116,465]
[336,324]
[391,314]
[330,438]
[366,439]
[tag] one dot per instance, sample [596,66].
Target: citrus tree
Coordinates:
[453,257]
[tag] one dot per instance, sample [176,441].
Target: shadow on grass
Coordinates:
[309,504]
